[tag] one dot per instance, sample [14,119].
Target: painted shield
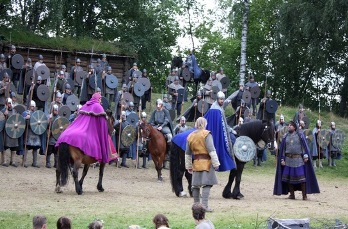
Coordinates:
[323,138]
[92,83]
[2,121]
[186,74]
[128,135]
[202,106]
[9,72]
[105,103]
[214,92]
[225,82]
[111,81]
[38,122]
[29,77]
[244,148]
[139,89]
[17,61]
[255,92]
[338,138]
[309,136]
[271,106]
[58,126]
[217,84]
[145,82]
[15,126]
[126,98]
[43,71]
[80,75]
[64,111]
[133,119]
[72,101]
[137,74]
[181,93]
[306,120]
[246,96]
[43,92]
[20,108]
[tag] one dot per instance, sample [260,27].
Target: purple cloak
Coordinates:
[89,131]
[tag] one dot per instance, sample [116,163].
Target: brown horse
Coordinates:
[156,145]
[70,156]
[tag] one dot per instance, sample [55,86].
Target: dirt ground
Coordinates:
[27,190]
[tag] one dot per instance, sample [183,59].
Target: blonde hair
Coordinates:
[201,123]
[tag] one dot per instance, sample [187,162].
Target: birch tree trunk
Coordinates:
[244,43]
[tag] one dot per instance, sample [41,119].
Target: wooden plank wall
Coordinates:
[55,58]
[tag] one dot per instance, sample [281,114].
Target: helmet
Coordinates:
[135,64]
[104,56]
[2,56]
[144,70]
[67,86]
[13,47]
[78,60]
[40,57]
[199,93]
[221,69]
[123,113]
[29,60]
[124,85]
[300,106]
[58,95]
[32,103]
[183,118]
[333,124]
[9,100]
[13,94]
[63,66]
[6,75]
[165,96]
[90,66]
[131,104]
[176,78]
[61,73]
[39,78]
[98,89]
[281,117]
[55,107]
[143,114]
[220,95]
[269,93]
[108,68]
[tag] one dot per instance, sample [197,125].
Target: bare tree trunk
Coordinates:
[244,43]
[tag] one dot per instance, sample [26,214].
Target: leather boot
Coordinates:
[12,163]
[205,197]
[303,188]
[35,159]
[24,161]
[292,192]
[258,161]
[124,160]
[254,160]
[3,160]
[195,194]
[320,164]
[333,162]
[55,160]
[48,161]
[144,162]
[330,161]
[314,163]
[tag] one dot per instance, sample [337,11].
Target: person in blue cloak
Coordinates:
[294,166]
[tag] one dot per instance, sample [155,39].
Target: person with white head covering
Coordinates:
[9,144]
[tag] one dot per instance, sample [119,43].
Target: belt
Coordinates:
[291,155]
[201,156]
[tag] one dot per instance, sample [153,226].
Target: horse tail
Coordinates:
[176,165]
[63,162]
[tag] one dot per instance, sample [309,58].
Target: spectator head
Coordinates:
[39,222]
[63,223]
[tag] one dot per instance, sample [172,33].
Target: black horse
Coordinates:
[256,130]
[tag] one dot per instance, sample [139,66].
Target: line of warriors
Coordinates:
[323,143]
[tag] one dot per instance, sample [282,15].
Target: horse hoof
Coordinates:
[58,190]
[100,189]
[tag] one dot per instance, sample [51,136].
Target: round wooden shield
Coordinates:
[133,119]
[15,126]
[186,74]
[29,77]
[139,89]
[2,121]
[246,96]
[20,108]
[111,81]
[72,101]
[38,122]
[64,111]
[214,92]
[309,136]
[323,138]
[137,74]
[126,98]
[43,92]
[105,103]
[17,61]
[338,138]
[202,106]
[145,82]
[58,126]
[271,106]
[128,135]
[306,120]
[255,92]
[80,75]
[9,72]
[225,82]
[92,82]
[244,148]
[43,71]
[217,83]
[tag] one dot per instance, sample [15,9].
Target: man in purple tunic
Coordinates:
[89,131]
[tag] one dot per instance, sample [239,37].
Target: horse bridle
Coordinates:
[269,141]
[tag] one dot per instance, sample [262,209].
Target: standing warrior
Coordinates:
[205,161]
[177,99]
[74,70]
[3,64]
[119,127]
[4,90]
[251,84]
[294,166]
[299,115]
[66,74]
[334,152]
[147,94]
[129,76]
[109,92]
[262,114]
[317,151]
[16,72]
[23,88]
[52,141]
